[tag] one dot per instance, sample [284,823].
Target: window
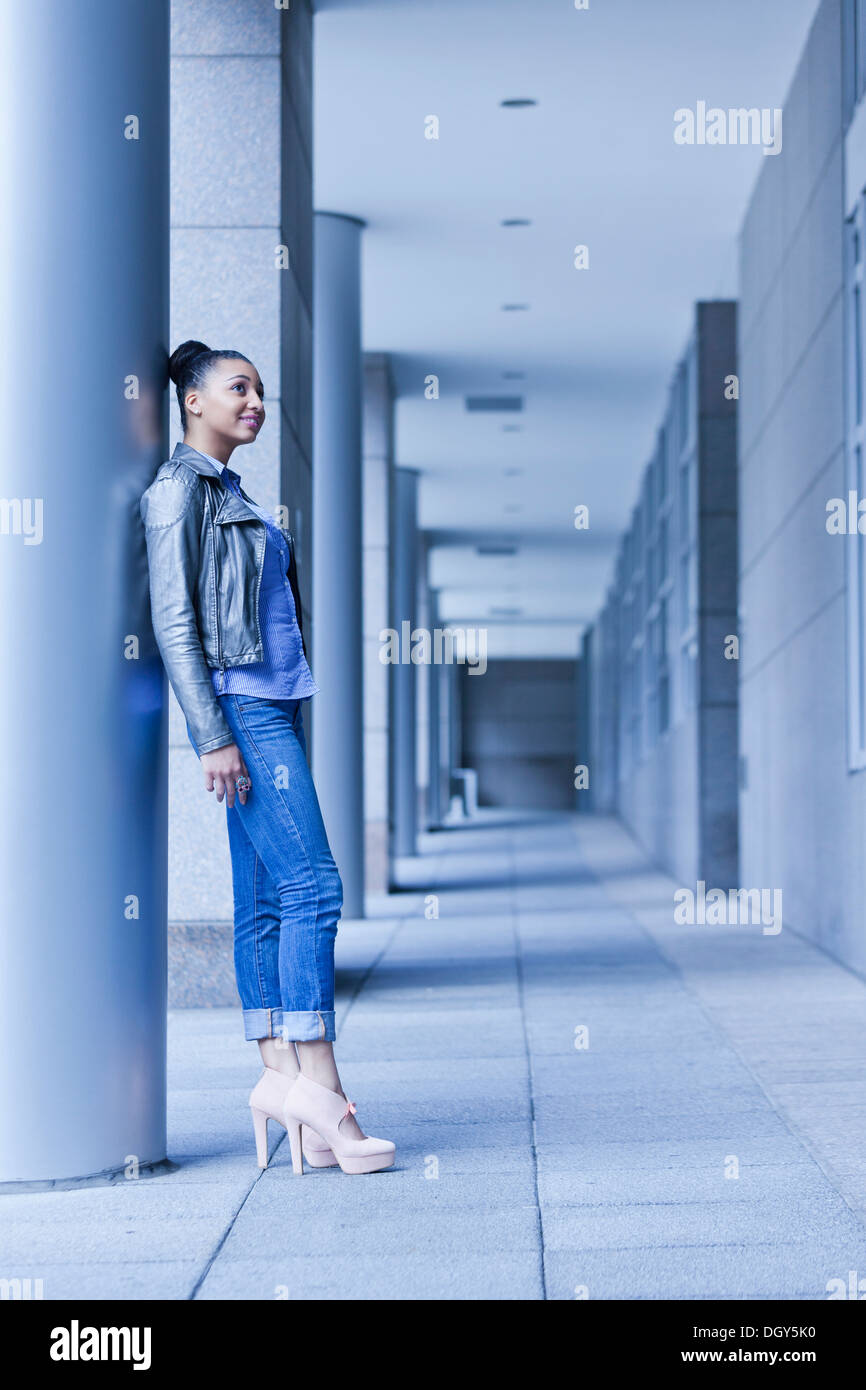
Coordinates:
[686,627]
[686,520]
[856,482]
[664,466]
[636,694]
[650,666]
[685,594]
[685,615]
[689,673]
[854,54]
[684,404]
[664,683]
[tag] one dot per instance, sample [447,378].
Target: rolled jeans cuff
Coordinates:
[301,1025]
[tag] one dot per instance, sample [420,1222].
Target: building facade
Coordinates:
[662,680]
[803,597]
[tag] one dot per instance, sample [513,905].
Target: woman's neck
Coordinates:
[214,448]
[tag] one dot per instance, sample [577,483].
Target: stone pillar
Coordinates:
[423,677]
[338,745]
[84,266]
[455,716]
[584,748]
[435,808]
[404,571]
[442,707]
[377,488]
[241,79]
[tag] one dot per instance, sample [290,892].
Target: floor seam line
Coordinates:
[225,1235]
[518,960]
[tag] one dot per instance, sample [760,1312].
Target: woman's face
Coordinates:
[231,402]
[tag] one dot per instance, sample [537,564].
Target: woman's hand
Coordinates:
[222,768]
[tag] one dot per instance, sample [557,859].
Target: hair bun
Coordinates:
[182,356]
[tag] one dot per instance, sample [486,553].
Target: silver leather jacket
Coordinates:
[205,554]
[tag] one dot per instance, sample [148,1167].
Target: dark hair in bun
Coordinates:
[190,365]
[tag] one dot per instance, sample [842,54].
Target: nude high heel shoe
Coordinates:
[308,1103]
[266,1103]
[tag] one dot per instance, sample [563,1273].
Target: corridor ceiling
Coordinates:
[593,163]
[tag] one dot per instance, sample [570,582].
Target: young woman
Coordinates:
[227,619]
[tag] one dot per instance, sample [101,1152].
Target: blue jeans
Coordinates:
[287,889]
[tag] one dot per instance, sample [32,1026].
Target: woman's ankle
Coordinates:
[323,1077]
[317,1063]
[279,1054]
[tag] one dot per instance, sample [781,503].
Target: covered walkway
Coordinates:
[588,1101]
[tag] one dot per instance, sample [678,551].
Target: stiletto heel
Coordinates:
[311,1104]
[260,1125]
[294,1130]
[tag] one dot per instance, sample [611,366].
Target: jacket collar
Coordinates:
[230,506]
[195,460]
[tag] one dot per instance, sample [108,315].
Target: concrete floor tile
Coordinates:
[445,1231]
[703,1224]
[730,1272]
[418,1275]
[164,1279]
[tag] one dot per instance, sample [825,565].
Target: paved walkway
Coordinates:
[708,1141]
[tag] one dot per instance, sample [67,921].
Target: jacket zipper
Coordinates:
[220,657]
[261,570]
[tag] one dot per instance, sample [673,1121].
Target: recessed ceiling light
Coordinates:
[513,308]
[515,222]
[519,101]
[494,402]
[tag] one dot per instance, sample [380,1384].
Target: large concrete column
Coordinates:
[435,808]
[378,487]
[84,274]
[424,673]
[337,656]
[241,79]
[455,717]
[583,752]
[446,740]
[404,597]
[442,716]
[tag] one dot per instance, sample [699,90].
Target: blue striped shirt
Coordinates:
[283,674]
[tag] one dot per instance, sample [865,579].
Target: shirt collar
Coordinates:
[229,475]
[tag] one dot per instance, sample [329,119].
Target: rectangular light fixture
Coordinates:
[494,402]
